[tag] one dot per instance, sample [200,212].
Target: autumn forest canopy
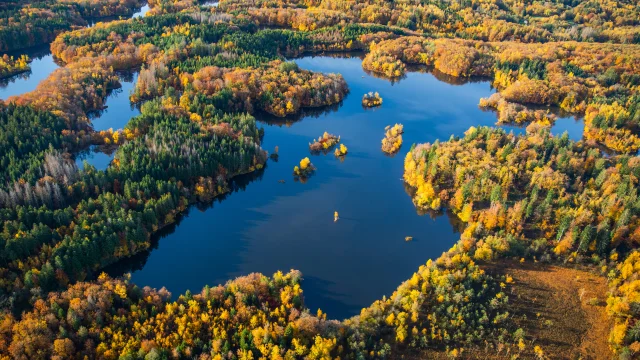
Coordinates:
[206,71]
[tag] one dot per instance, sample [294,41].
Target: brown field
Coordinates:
[561,309]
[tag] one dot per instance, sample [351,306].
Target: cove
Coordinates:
[116,114]
[95,156]
[265,226]
[43,64]
[138,13]
[118,109]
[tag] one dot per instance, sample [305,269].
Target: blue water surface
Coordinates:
[265,225]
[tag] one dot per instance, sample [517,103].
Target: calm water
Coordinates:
[42,65]
[265,226]
[141,12]
[95,156]
[116,115]
[574,127]
[119,109]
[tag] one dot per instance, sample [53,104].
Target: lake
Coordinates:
[265,226]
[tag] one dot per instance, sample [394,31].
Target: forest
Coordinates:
[10,66]
[206,71]
[25,24]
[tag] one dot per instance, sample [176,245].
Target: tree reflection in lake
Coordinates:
[273,226]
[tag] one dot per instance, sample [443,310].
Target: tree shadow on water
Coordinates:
[137,262]
[314,112]
[318,296]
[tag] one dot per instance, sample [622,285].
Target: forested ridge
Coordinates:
[204,71]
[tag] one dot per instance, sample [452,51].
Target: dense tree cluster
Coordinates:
[600,80]
[371,99]
[10,66]
[324,143]
[159,7]
[192,41]
[538,197]
[484,176]
[392,138]
[104,8]
[622,305]
[452,57]
[535,21]
[258,317]
[295,18]
[27,137]
[279,89]
[25,24]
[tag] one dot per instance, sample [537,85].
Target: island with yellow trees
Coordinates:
[371,99]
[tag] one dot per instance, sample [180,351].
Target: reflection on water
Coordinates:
[302,114]
[42,65]
[116,115]
[142,12]
[271,225]
[139,13]
[573,126]
[118,110]
[138,261]
[96,156]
